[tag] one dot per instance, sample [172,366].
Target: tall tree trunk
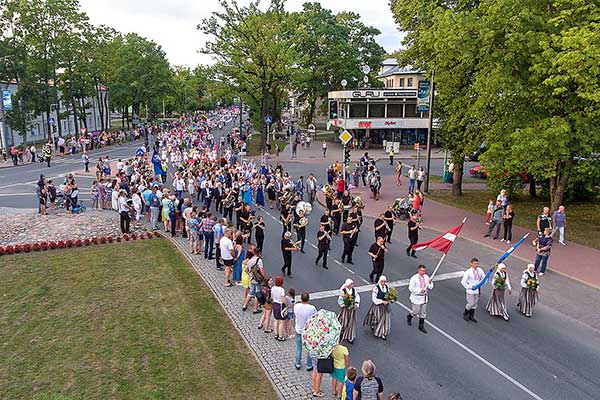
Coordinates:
[100,107]
[84,113]
[263,114]
[311,111]
[106,110]
[75,116]
[532,192]
[457,176]
[558,184]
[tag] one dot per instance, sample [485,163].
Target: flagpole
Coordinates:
[437,267]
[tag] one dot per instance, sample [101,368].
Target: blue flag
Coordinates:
[157,164]
[502,258]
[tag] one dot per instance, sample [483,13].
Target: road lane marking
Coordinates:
[367,288]
[477,356]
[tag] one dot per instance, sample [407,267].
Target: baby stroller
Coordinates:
[61,201]
[78,208]
[401,208]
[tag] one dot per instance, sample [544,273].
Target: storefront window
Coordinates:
[376,110]
[358,110]
[394,110]
[411,111]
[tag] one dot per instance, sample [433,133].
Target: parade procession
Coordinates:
[295,200]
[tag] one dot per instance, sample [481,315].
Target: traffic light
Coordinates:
[346,155]
[333,109]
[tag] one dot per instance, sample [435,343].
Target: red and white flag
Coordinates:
[442,242]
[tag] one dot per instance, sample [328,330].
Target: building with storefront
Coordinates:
[377,116]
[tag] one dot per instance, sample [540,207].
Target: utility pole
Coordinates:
[241,114]
[429,132]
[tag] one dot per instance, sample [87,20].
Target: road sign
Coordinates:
[51,121]
[268,119]
[312,129]
[345,136]
[416,146]
[7,100]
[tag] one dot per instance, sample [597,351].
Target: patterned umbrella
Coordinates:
[321,333]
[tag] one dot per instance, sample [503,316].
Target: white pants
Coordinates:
[472,300]
[419,310]
[561,233]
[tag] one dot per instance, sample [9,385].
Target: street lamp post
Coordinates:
[429,132]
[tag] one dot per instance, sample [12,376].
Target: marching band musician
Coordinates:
[228,204]
[239,207]
[336,216]
[377,253]
[259,233]
[472,277]
[380,226]
[286,250]
[323,239]
[286,217]
[413,234]
[388,216]
[348,232]
[346,200]
[300,226]
[246,221]
[325,222]
[419,286]
[349,301]
[378,316]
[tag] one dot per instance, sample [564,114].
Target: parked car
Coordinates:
[478,172]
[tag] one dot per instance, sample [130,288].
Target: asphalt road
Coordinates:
[549,356]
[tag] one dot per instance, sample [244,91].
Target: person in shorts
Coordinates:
[227,254]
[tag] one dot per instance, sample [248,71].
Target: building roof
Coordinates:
[408,70]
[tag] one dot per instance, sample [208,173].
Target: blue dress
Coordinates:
[247,195]
[237,266]
[260,197]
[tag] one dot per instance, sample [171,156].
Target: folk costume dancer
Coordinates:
[472,277]
[528,296]
[419,286]
[378,317]
[349,301]
[496,305]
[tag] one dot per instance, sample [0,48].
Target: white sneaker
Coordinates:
[508,241]
[541,274]
[502,240]
[563,243]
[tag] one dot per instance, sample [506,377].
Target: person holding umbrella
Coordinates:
[348,300]
[378,316]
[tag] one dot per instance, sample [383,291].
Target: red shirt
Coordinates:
[340,185]
[417,203]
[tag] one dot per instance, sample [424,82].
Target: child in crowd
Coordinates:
[348,389]
[289,323]
[490,210]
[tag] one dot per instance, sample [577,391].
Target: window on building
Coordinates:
[411,111]
[358,110]
[376,110]
[394,110]
[410,82]
[401,82]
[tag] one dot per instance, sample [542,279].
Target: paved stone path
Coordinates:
[276,358]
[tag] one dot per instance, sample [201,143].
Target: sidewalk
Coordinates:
[335,151]
[573,260]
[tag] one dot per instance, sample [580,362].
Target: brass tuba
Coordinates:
[328,191]
[304,206]
[286,197]
[358,203]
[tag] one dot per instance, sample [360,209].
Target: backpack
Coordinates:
[255,273]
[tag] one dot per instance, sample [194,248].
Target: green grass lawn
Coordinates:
[583,219]
[121,321]
[254,149]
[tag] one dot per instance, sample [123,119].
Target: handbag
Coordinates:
[284,312]
[325,365]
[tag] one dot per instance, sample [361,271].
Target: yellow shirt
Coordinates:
[339,354]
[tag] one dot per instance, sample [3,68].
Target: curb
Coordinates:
[551,271]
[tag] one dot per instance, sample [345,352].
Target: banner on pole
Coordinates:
[7,100]
[423,96]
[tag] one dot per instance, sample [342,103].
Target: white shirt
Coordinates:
[178,184]
[277,294]
[469,280]
[302,312]
[414,286]
[374,298]
[411,174]
[349,291]
[123,204]
[137,202]
[120,165]
[226,246]
[506,280]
